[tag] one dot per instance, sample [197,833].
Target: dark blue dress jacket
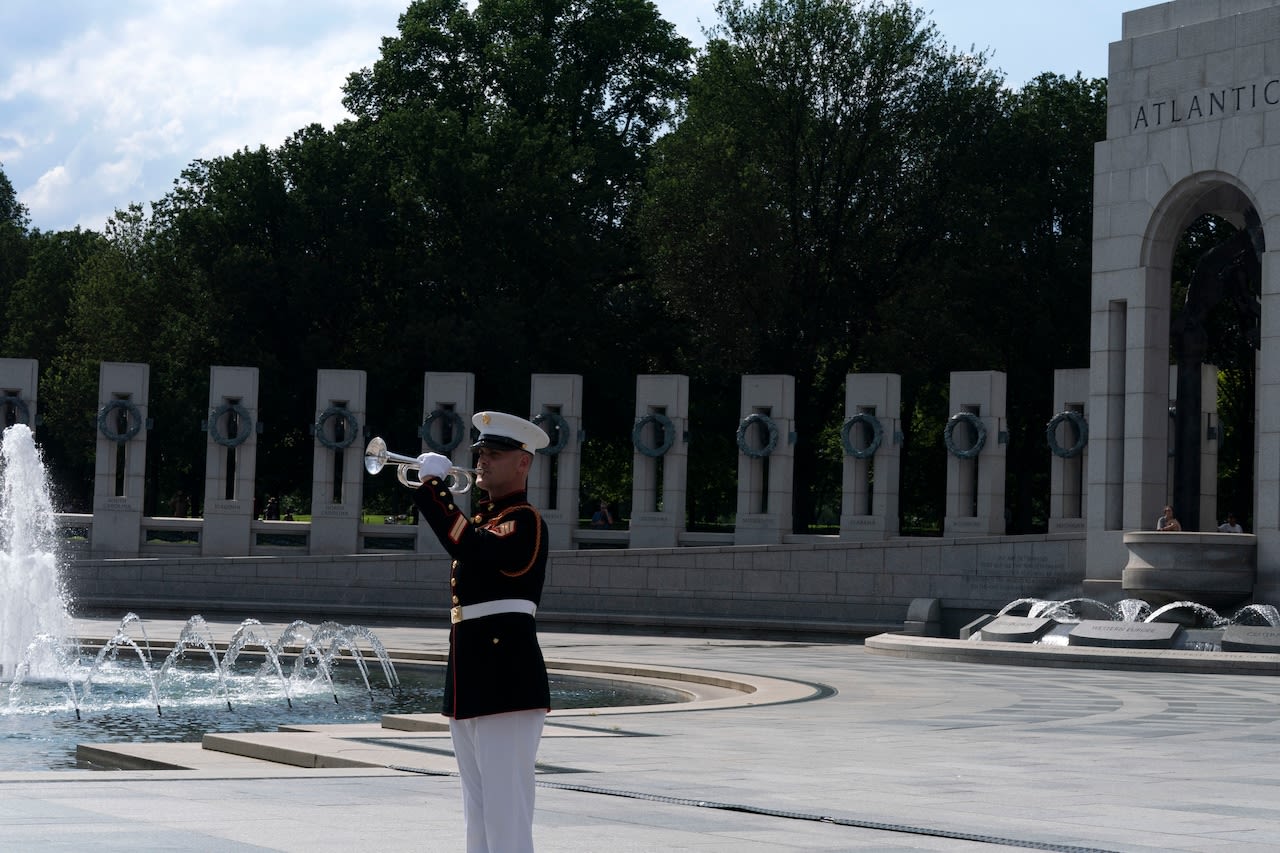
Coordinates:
[495,663]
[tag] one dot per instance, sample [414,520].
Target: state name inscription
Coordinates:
[1206,104]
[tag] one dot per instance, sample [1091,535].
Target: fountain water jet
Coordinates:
[35,618]
[33,601]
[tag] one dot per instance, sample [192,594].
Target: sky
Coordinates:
[102,104]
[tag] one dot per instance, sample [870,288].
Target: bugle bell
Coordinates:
[376,456]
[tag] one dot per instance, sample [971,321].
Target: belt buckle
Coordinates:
[455,614]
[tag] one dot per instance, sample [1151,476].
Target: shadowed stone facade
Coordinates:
[1193,127]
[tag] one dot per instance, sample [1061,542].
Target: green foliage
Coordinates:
[132,299]
[13,213]
[552,186]
[842,194]
[1232,351]
[14,243]
[608,477]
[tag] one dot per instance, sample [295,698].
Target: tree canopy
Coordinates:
[566,186]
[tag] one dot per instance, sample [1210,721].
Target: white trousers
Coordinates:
[496,757]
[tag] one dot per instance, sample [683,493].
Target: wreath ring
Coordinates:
[352,426]
[133,419]
[979,428]
[769,445]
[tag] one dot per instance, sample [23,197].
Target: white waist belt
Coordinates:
[491,608]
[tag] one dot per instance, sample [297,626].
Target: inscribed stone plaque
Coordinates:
[1015,629]
[1132,635]
[1251,638]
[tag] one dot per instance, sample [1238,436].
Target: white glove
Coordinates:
[433,465]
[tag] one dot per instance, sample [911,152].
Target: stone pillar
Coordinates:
[19,379]
[337,475]
[660,464]
[231,454]
[1209,448]
[1069,431]
[1266,489]
[1208,493]
[448,402]
[121,459]
[766,459]
[976,449]
[556,402]
[872,455]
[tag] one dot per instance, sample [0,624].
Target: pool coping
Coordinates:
[420,742]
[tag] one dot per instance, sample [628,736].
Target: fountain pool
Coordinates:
[40,730]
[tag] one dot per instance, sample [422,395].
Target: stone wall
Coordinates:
[821,586]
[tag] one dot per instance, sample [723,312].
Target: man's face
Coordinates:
[502,471]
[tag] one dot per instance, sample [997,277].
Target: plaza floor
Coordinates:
[837,749]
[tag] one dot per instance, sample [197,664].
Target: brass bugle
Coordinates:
[376,457]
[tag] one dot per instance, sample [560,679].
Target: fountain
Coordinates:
[32,600]
[1131,623]
[34,616]
[254,681]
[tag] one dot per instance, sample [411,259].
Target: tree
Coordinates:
[40,301]
[1011,280]
[13,236]
[515,140]
[13,213]
[283,294]
[819,157]
[133,300]
[1231,347]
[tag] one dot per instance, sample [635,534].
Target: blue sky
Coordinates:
[103,103]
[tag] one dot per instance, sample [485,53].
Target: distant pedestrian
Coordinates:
[602,518]
[1230,525]
[1167,523]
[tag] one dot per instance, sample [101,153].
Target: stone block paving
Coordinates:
[885,754]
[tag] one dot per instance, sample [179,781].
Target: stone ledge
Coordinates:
[1073,657]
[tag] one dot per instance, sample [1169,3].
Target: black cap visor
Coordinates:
[498,442]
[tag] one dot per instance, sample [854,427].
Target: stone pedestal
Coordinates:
[231,453]
[1015,629]
[1124,635]
[556,403]
[337,473]
[121,459]
[1251,638]
[976,454]
[872,456]
[660,464]
[1217,570]
[448,402]
[766,459]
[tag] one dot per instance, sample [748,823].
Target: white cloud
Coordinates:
[50,190]
[104,104]
[117,177]
[147,92]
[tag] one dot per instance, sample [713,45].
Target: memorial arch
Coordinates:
[1193,128]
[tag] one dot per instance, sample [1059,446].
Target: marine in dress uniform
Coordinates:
[496,693]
